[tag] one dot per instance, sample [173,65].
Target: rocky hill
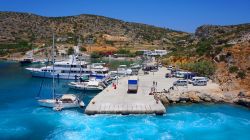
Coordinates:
[23,26]
[231,34]
[225,47]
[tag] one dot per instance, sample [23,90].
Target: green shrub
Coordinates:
[70,51]
[204,47]
[95,55]
[204,67]
[109,42]
[139,53]
[83,49]
[21,46]
[123,51]
[241,74]
[233,69]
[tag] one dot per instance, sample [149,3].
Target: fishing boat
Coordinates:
[65,101]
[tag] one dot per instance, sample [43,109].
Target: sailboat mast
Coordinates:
[53,69]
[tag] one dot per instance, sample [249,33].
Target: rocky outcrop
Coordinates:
[198,97]
[243,98]
[227,32]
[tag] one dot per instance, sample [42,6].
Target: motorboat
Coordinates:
[91,85]
[123,70]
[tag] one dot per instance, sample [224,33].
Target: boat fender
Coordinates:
[57,108]
[82,104]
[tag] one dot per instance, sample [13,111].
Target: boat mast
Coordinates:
[53,69]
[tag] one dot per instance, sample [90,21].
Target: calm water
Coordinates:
[22,118]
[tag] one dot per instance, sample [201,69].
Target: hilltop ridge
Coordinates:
[30,27]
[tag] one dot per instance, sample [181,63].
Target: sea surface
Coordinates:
[22,118]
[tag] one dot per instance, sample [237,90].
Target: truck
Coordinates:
[133,84]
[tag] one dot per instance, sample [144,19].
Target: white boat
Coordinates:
[92,85]
[70,69]
[65,101]
[123,70]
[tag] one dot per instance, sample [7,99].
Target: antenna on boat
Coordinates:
[53,69]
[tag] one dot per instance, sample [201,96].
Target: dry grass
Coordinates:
[101,49]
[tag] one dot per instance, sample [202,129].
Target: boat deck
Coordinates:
[118,101]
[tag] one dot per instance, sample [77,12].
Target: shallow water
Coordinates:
[22,118]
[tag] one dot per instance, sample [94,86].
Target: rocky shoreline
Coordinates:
[175,97]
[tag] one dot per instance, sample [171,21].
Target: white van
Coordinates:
[180,83]
[200,83]
[194,79]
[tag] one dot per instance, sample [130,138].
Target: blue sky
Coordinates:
[184,15]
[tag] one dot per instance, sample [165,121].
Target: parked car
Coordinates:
[154,70]
[168,75]
[169,67]
[180,83]
[194,79]
[200,83]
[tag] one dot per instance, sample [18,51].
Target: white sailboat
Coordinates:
[65,101]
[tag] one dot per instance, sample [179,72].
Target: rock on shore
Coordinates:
[241,98]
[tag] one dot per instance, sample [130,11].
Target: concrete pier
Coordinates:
[118,101]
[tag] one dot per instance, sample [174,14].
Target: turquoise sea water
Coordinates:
[22,118]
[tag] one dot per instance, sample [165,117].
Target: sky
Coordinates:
[183,15]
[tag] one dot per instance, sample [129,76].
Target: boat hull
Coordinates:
[68,76]
[51,103]
[84,86]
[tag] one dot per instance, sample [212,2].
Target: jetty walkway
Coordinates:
[118,101]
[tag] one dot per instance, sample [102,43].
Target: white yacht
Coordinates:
[91,85]
[123,70]
[70,69]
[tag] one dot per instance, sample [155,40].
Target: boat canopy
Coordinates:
[69,97]
[85,77]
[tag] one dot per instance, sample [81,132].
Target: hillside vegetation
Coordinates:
[34,28]
[222,51]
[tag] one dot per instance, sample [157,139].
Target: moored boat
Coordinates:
[26,61]
[66,101]
[70,69]
[91,85]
